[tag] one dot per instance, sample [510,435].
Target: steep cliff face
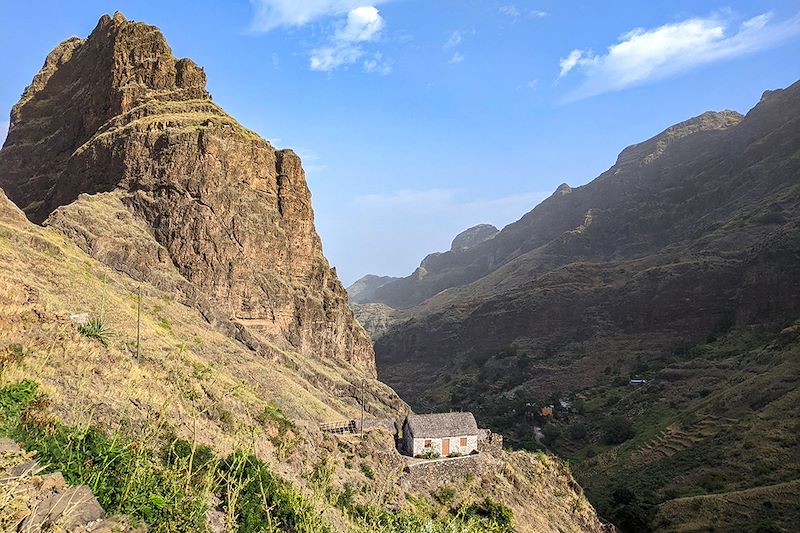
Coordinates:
[689,231]
[680,265]
[118,144]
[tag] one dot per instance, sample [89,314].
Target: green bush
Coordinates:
[125,476]
[429,454]
[263,501]
[286,439]
[617,429]
[499,516]
[166,486]
[367,471]
[96,329]
[445,494]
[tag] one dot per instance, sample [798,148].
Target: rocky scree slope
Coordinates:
[118,145]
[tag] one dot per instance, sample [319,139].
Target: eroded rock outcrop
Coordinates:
[472,236]
[118,144]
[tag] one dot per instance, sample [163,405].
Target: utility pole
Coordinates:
[139,325]
[363,386]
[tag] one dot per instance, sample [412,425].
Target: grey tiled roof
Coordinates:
[439,425]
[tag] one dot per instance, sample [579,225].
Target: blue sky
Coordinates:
[416,119]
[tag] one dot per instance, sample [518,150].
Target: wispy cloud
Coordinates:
[3,131]
[271,14]
[458,57]
[310,159]
[514,12]
[647,54]
[344,48]
[377,64]
[419,221]
[510,11]
[442,201]
[454,40]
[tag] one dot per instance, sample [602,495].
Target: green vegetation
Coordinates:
[96,329]
[617,429]
[430,454]
[168,490]
[716,420]
[12,354]
[286,437]
[486,516]
[264,502]
[367,471]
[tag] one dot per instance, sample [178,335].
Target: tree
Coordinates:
[617,429]
[551,433]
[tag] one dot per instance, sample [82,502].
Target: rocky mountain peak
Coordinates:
[647,152]
[117,144]
[472,236]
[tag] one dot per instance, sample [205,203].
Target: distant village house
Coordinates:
[440,434]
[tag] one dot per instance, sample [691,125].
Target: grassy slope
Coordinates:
[210,389]
[716,425]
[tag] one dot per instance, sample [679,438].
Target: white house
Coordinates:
[441,434]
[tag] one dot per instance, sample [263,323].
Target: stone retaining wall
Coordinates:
[441,470]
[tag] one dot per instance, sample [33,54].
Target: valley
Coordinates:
[677,266]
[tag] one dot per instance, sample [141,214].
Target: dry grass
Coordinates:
[210,389]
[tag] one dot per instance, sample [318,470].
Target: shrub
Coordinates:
[551,433]
[367,471]
[617,429]
[430,454]
[286,439]
[96,329]
[499,516]
[445,494]
[263,501]
[577,431]
[322,473]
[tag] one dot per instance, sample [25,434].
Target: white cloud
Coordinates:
[377,64]
[643,54]
[363,24]
[330,58]
[455,39]
[271,14]
[458,57]
[511,11]
[3,132]
[570,62]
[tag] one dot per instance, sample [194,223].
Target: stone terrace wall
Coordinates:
[443,470]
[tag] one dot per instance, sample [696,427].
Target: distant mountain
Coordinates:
[691,237]
[472,237]
[363,290]
[215,342]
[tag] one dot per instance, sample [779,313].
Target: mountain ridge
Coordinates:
[229,226]
[679,265]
